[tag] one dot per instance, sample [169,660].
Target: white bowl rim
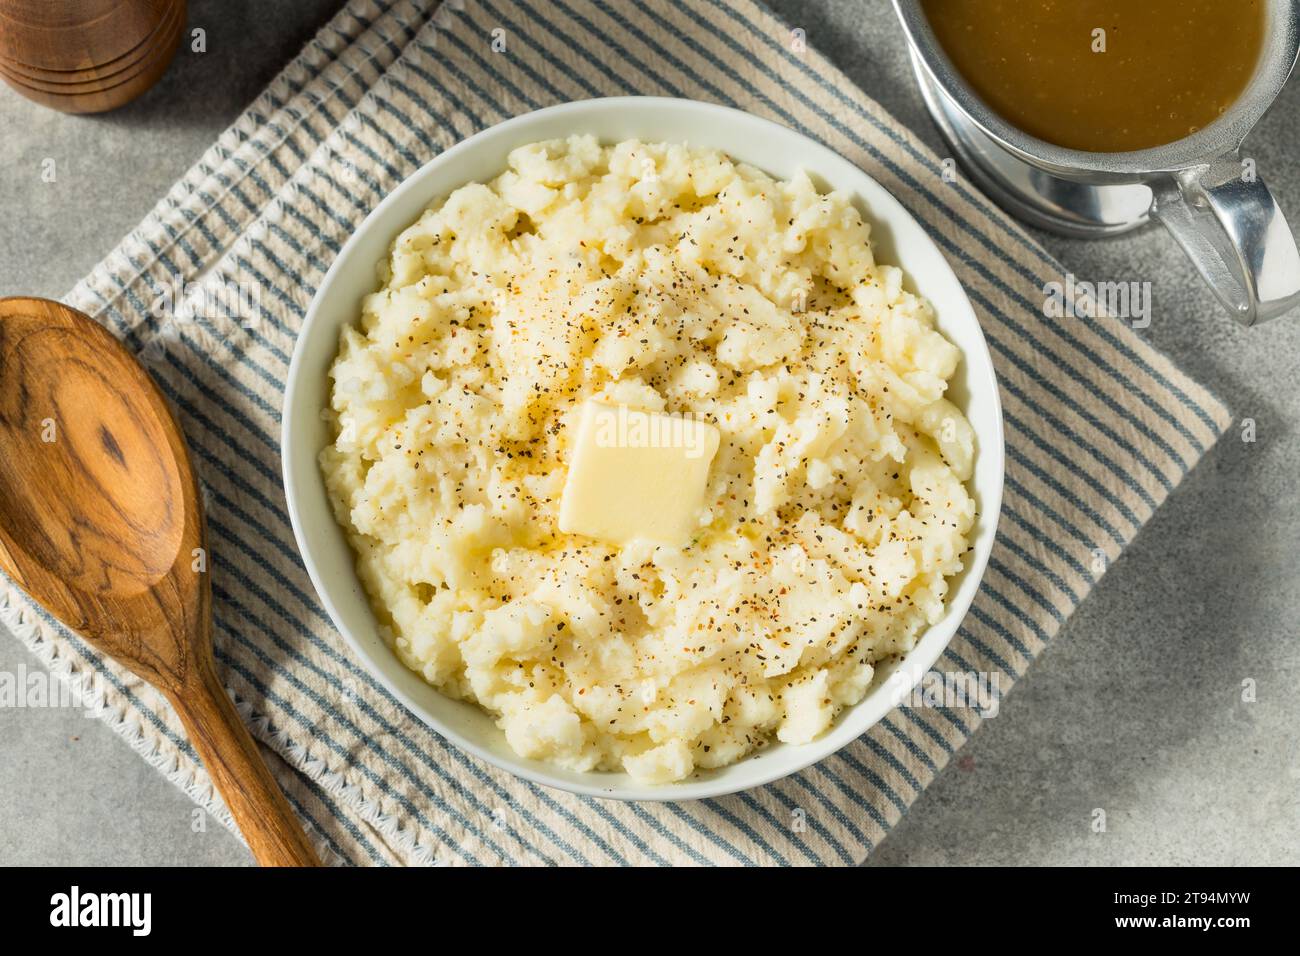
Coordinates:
[845,729]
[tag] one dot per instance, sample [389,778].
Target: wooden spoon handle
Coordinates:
[254,799]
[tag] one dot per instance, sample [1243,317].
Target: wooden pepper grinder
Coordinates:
[87,56]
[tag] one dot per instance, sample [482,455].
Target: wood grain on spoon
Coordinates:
[101,522]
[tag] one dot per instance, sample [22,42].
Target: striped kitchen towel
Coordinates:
[1100,428]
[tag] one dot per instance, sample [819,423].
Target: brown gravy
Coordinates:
[1169,67]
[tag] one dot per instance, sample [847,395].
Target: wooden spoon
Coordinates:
[101,522]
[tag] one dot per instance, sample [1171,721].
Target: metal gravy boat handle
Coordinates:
[1232,229]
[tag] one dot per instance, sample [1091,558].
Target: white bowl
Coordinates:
[780,152]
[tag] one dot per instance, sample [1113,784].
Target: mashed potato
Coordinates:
[666,279]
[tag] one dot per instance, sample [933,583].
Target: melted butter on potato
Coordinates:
[636,475]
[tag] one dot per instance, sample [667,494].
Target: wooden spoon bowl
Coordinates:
[101,523]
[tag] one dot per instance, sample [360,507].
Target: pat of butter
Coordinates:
[635,474]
